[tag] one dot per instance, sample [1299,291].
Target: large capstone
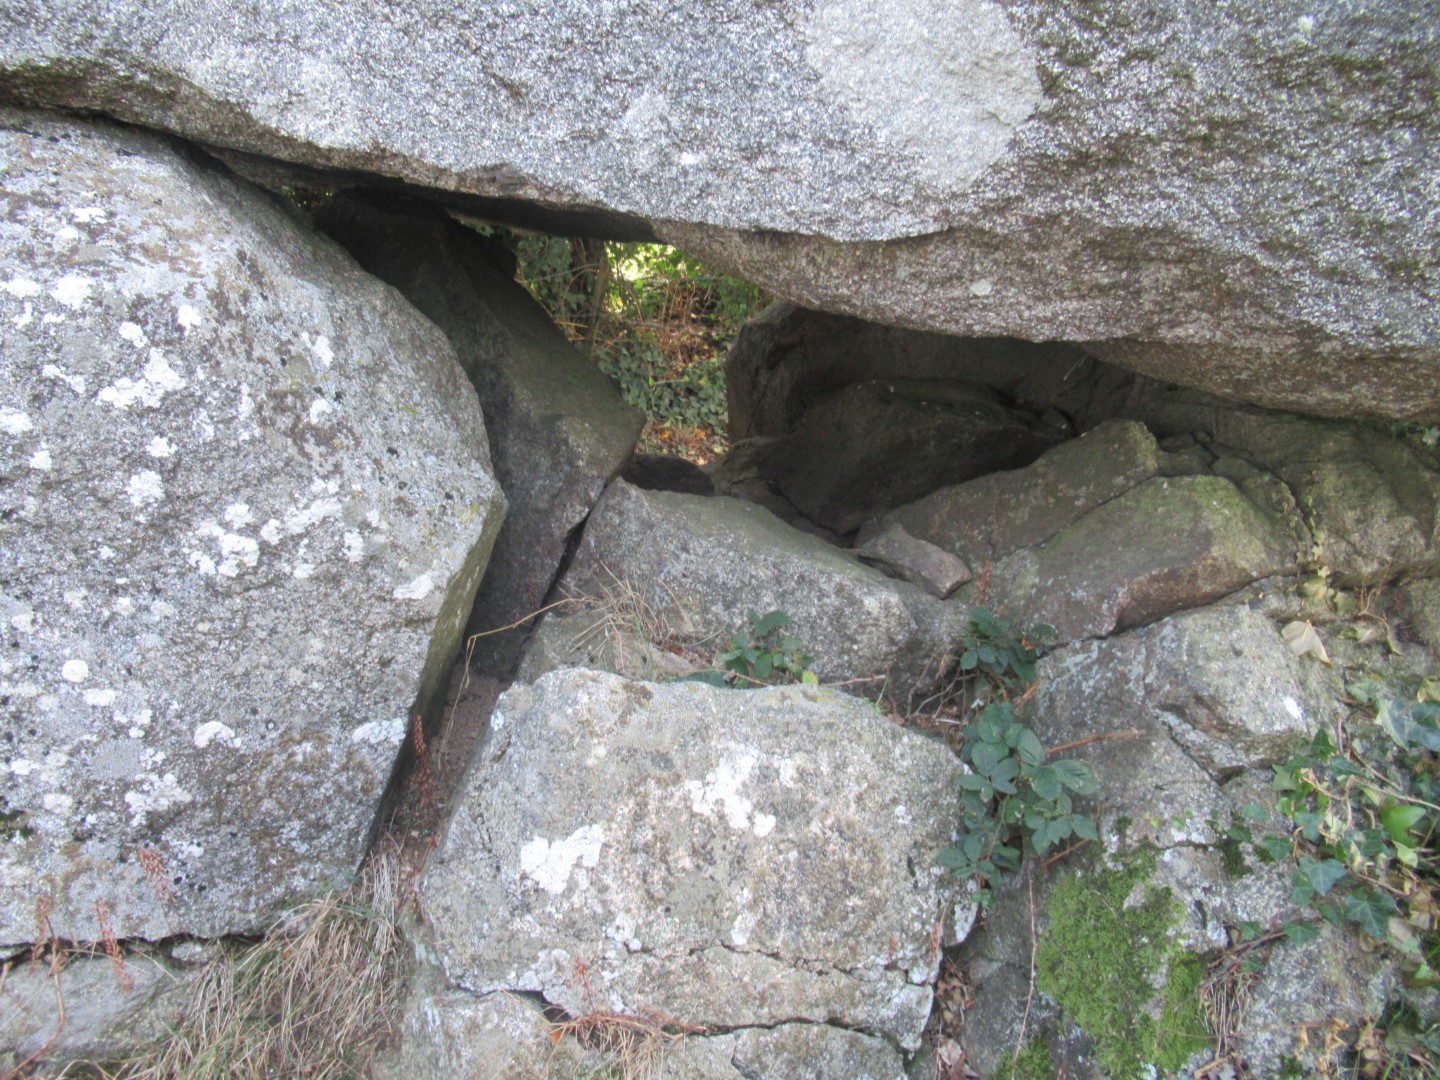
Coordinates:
[245,502]
[730,858]
[1231,196]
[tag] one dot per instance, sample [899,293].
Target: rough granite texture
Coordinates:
[1229,195]
[734,858]
[104,1021]
[245,501]
[558,428]
[1368,498]
[1166,545]
[705,564]
[991,516]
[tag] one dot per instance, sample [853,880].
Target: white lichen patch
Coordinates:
[14,422]
[213,730]
[417,589]
[42,459]
[1293,708]
[237,515]
[88,215]
[318,408]
[549,864]
[301,520]
[74,382]
[160,447]
[133,333]
[22,288]
[354,546]
[100,699]
[75,671]
[145,488]
[721,788]
[949,83]
[320,349]
[72,290]
[155,793]
[57,802]
[156,380]
[380,732]
[187,317]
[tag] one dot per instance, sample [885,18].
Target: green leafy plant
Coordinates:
[1363,807]
[1015,801]
[995,653]
[765,657]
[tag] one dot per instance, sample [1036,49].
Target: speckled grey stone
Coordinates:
[1235,196]
[728,857]
[245,501]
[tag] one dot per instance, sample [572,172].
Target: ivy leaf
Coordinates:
[1371,911]
[1322,875]
[1300,933]
[1403,723]
[1399,819]
[1274,848]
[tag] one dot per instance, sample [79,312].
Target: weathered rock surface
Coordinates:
[994,515]
[703,565]
[1368,500]
[1167,545]
[1181,719]
[624,845]
[1208,694]
[919,562]
[490,1037]
[872,446]
[558,430]
[103,1020]
[231,563]
[1129,177]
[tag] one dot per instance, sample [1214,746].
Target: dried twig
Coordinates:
[1030,993]
[1129,733]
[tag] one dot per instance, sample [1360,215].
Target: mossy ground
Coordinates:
[1101,960]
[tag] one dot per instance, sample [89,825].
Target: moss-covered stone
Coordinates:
[1109,961]
[1033,1062]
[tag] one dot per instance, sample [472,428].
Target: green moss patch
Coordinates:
[1033,1062]
[1101,960]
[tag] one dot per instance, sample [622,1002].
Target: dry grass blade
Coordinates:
[315,997]
[636,1045]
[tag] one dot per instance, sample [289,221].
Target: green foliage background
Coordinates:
[655,320]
